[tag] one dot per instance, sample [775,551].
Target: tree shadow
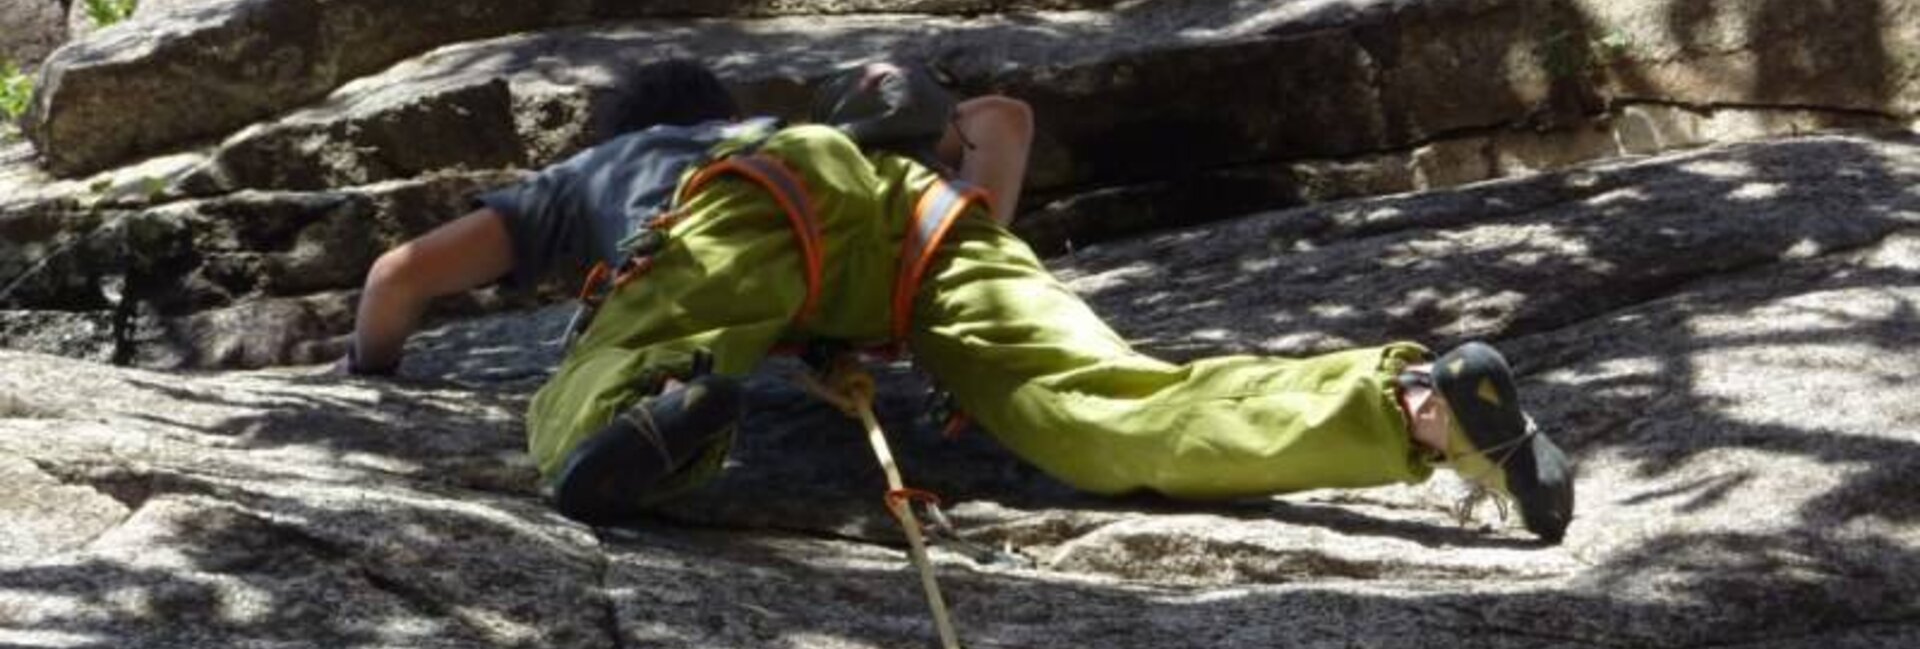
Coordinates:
[1687,237]
[1719,234]
[1669,596]
[210,562]
[1636,299]
[1848,67]
[1572,270]
[1500,260]
[421,429]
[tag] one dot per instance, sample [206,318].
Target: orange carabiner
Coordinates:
[590,289]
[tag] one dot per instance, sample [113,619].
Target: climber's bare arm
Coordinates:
[1000,130]
[462,254]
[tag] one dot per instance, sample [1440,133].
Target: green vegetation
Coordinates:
[107,12]
[16,92]
[155,188]
[1567,54]
[1614,47]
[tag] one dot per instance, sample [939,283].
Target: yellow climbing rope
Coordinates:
[850,388]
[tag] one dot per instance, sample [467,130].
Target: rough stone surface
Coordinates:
[207,68]
[280,510]
[244,280]
[1757,52]
[1720,337]
[533,97]
[48,516]
[1510,88]
[1391,73]
[1471,90]
[30,30]
[1374,97]
[1609,235]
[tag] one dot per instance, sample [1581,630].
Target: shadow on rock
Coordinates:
[314,565]
[1784,591]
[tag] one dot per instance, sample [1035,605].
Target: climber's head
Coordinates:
[679,92]
[900,106]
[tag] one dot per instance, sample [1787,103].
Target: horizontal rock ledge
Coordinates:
[1059,220]
[204,69]
[1385,72]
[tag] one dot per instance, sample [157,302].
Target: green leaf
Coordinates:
[108,12]
[155,187]
[16,91]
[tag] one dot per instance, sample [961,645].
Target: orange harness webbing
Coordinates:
[791,193]
[935,213]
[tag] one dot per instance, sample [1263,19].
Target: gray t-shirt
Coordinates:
[577,212]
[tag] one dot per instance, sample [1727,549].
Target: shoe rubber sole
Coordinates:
[1478,386]
[604,480]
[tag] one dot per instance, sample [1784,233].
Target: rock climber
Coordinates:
[714,239]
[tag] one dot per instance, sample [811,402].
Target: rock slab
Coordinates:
[30,30]
[1745,438]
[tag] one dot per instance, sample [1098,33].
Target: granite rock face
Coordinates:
[1720,337]
[247,279]
[1608,235]
[30,30]
[1391,74]
[1151,115]
[207,68]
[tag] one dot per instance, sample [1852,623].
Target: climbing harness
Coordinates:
[939,207]
[848,386]
[851,389]
[771,174]
[790,192]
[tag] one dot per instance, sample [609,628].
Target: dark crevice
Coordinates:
[990,535]
[791,530]
[414,597]
[122,325]
[610,618]
[1818,632]
[1667,287]
[898,543]
[1537,635]
[1054,234]
[1705,107]
[1065,192]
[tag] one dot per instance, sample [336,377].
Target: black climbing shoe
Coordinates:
[605,479]
[1495,445]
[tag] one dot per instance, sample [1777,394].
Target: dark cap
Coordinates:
[893,106]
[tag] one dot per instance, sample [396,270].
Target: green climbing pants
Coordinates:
[1025,357]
